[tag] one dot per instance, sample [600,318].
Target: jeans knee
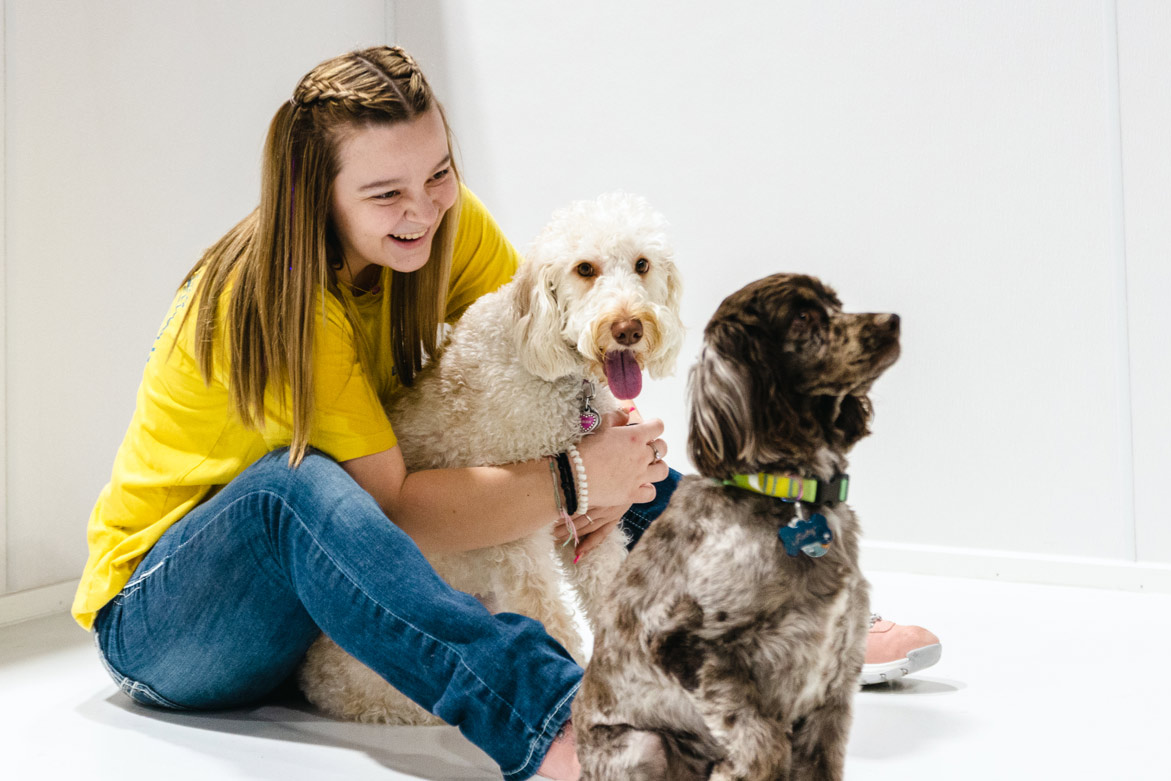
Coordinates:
[318,466]
[317,473]
[316,494]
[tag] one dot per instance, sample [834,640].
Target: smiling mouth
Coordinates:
[408,237]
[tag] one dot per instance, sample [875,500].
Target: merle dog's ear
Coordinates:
[720,414]
[852,422]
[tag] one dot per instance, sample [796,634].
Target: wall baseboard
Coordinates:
[1006,566]
[1117,574]
[36,602]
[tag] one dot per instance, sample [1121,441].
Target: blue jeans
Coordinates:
[222,609]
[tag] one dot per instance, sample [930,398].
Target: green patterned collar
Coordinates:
[793,488]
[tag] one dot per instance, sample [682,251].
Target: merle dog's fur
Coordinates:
[719,656]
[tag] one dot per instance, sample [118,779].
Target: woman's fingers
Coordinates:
[593,539]
[646,492]
[588,523]
[616,418]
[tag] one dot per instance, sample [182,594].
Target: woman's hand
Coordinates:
[623,460]
[592,528]
[631,410]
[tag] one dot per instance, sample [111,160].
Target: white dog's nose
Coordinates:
[627,332]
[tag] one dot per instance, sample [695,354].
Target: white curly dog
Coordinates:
[595,303]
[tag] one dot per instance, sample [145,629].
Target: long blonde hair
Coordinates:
[283,258]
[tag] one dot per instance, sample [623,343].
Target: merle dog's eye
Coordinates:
[804,321]
[585,269]
[642,265]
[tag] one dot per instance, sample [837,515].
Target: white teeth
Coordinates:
[409,236]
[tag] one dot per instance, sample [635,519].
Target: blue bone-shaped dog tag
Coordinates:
[811,537]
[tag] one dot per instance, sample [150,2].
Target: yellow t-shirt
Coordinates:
[185,440]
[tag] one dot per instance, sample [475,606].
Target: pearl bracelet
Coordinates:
[583,486]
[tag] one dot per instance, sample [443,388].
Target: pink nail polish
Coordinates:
[576,558]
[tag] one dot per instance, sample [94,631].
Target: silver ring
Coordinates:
[655,450]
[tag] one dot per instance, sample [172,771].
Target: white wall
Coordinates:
[1144,28]
[959,163]
[994,171]
[3,320]
[133,133]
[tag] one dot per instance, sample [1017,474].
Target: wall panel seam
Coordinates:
[1118,245]
[3,298]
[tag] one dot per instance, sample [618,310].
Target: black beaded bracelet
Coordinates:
[567,484]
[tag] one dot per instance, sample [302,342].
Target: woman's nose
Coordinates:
[423,209]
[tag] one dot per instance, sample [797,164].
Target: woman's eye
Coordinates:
[642,265]
[585,269]
[386,196]
[440,175]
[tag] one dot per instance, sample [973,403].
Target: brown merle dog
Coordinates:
[732,641]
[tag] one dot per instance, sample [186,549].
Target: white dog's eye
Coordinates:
[642,265]
[585,269]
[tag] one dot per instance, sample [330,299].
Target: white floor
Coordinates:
[1035,682]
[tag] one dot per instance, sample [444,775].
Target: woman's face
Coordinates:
[394,186]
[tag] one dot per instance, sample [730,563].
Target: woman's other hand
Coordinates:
[623,460]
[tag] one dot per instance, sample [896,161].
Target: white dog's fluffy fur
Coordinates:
[507,387]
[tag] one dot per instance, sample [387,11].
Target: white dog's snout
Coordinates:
[627,332]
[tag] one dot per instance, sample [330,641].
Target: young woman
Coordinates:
[259,496]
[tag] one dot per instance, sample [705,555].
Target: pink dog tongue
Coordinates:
[623,374]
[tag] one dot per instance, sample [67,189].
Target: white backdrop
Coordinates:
[994,171]
[133,133]
[959,163]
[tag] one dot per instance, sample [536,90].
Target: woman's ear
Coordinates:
[542,348]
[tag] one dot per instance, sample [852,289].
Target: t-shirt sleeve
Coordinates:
[482,259]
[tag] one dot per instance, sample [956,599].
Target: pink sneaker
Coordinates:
[893,650]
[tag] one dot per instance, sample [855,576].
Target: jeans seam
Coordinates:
[129,686]
[544,729]
[643,522]
[395,615]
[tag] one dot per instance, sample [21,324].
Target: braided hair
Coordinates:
[276,265]
[380,79]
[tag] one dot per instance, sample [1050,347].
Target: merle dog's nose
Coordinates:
[627,332]
[894,321]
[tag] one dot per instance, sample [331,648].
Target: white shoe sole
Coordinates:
[919,659]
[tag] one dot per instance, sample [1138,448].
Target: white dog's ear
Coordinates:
[542,348]
[670,325]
